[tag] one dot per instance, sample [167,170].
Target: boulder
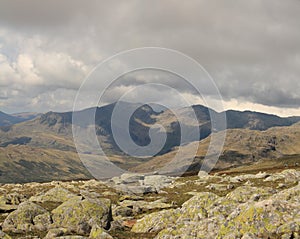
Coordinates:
[132,183]
[158,181]
[203,176]
[244,193]
[156,221]
[264,219]
[24,218]
[182,222]
[57,194]
[135,190]
[128,178]
[81,215]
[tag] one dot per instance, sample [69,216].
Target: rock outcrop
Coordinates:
[245,206]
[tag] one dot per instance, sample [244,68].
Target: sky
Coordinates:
[250,48]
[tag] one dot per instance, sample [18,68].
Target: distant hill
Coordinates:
[256,121]
[26,115]
[44,145]
[6,119]
[275,147]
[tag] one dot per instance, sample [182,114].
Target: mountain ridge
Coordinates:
[50,136]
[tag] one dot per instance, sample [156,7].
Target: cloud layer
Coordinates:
[251,48]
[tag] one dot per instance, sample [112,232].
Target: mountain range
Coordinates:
[40,147]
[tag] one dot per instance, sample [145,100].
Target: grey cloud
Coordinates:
[251,48]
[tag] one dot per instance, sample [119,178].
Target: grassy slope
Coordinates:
[244,147]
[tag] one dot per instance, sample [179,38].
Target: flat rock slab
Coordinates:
[139,183]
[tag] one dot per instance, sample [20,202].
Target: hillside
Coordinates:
[243,147]
[42,149]
[6,119]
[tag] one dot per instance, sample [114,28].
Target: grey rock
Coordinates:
[57,194]
[139,183]
[80,215]
[4,235]
[135,189]
[56,232]
[98,233]
[23,218]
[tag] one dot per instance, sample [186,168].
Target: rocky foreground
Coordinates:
[154,206]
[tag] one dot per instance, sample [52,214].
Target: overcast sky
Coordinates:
[250,48]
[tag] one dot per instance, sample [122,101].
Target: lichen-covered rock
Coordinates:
[130,197]
[4,236]
[193,221]
[263,219]
[133,183]
[245,177]
[246,236]
[205,177]
[202,174]
[247,212]
[10,201]
[93,183]
[98,233]
[203,200]
[254,208]
[15,198]
[127,178]
[80,215]
[289,175]
[121,211]
[244,193]
[157,181]
[144,206]
[5,206]
[42,221]
[292,194]
[56,232]
[221,207]
[23,218]
[156,221]
[201,229]
[174,221]
[57,194]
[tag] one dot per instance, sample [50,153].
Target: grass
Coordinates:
[271,166]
